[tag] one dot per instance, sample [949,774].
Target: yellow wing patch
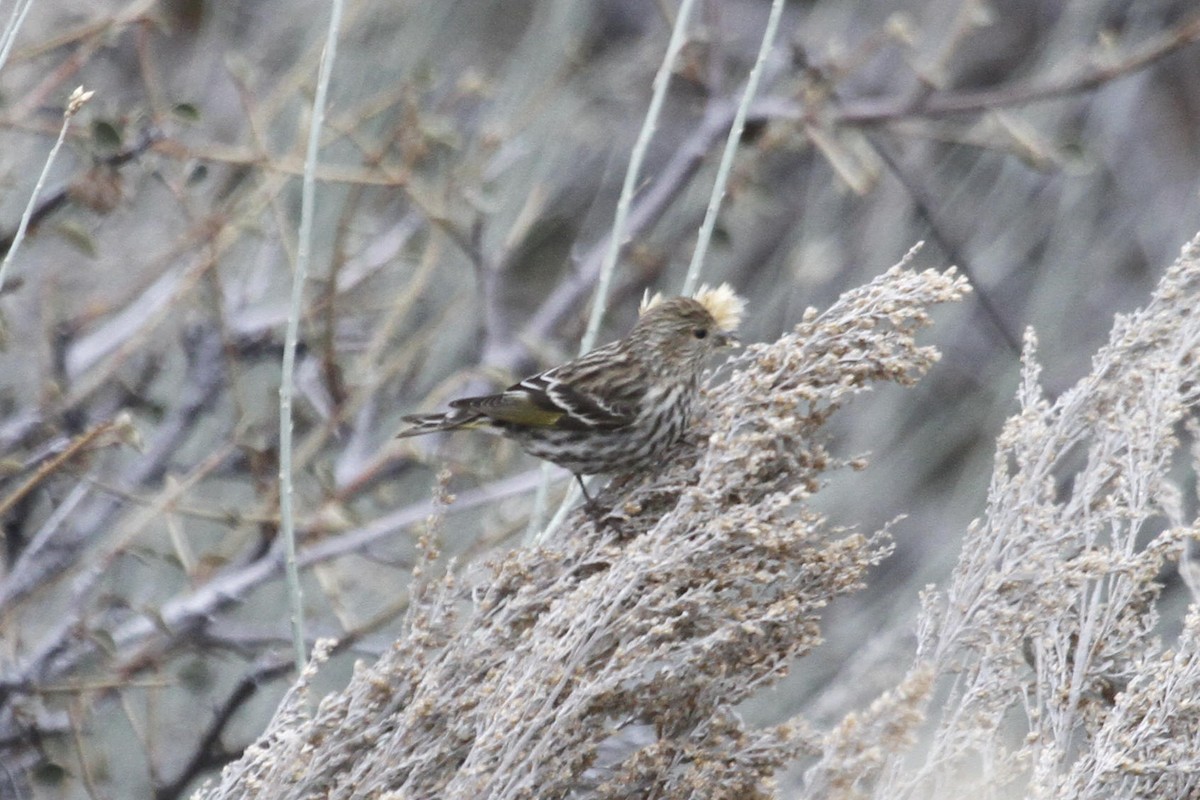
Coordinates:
[514,407]
[526,415]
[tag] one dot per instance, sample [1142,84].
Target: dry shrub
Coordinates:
[1045,647]
[608,662]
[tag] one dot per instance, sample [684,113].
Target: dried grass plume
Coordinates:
[609,663]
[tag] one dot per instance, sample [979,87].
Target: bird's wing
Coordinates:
[579,395]
[515,406]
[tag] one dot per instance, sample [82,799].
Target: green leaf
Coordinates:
[106,135]
[197,175]
[79,238]
[196,676]
[186,112]
[49,773]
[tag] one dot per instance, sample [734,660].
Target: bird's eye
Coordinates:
[700,333]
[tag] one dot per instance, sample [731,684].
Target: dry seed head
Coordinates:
[723,303]
[76,101]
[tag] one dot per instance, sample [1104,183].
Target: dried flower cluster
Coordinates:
[608,663]
[1046,649]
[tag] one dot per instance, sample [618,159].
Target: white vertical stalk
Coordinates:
[616,239]
[74,103]
[9,34]
[287,379]
[731,143]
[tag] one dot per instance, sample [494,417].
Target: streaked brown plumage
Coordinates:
[615,409]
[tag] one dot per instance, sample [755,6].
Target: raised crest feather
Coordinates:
[723,303]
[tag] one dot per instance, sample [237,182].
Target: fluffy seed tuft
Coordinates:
[723,303]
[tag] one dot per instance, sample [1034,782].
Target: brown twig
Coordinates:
[939,103]
[120,425]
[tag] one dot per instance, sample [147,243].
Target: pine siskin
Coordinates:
[617,408]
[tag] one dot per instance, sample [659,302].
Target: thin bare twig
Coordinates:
[75,102]
[940,103]
[287,380]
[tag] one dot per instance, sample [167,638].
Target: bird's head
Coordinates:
[685,331]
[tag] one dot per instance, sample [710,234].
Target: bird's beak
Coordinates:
[727,340]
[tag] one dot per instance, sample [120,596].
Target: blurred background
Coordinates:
[471,159]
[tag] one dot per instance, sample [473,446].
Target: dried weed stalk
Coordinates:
[608,663]
[1045,648]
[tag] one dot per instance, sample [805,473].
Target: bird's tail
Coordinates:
[432,423]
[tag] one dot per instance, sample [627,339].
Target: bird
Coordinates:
[615,409]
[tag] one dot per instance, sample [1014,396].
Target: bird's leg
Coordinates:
[582,488]
[587,498]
